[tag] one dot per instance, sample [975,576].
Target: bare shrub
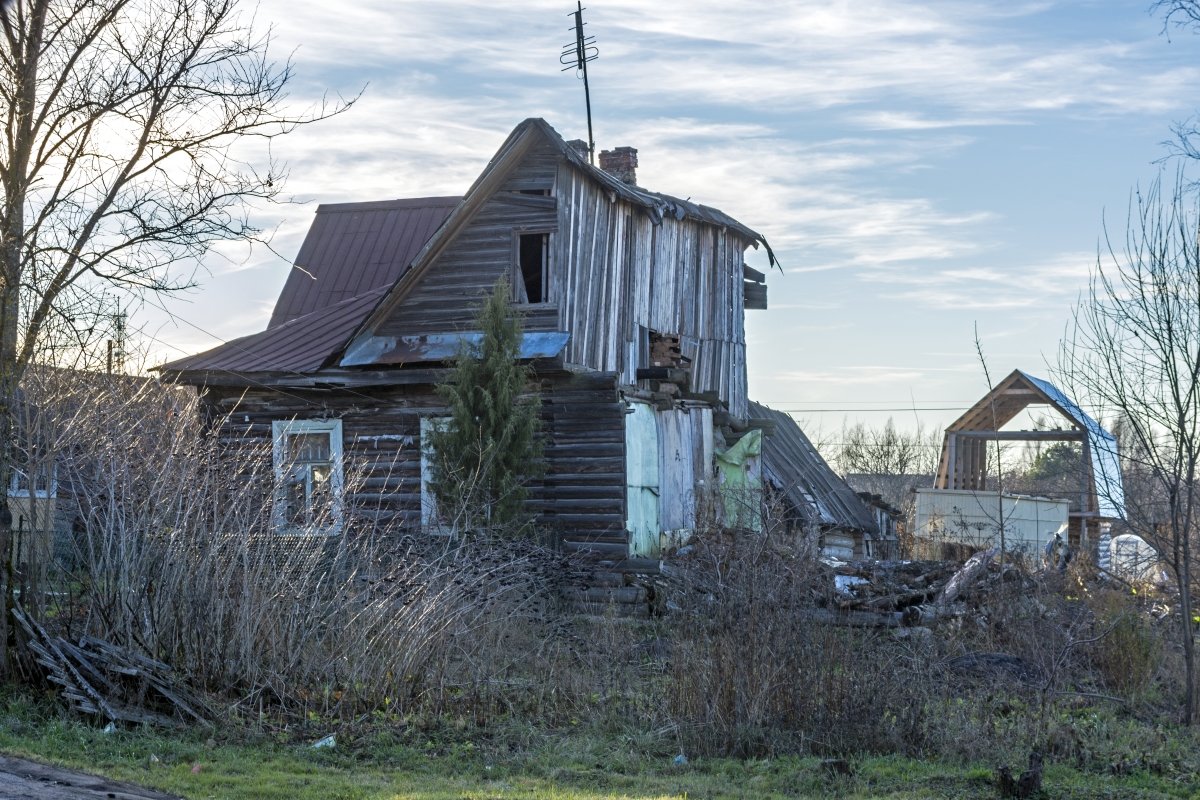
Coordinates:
[177,558]
[1131,655]
[754,672]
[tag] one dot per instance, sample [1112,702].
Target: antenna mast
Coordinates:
[576,56]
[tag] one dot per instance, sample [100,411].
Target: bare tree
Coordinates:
[887,461]
[127,153]
[1133,350]
[1182,14]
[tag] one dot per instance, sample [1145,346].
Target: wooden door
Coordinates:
[642,480]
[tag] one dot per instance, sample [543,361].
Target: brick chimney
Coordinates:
[580,147]
[621,163]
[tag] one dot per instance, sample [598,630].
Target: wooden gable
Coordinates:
[447,295]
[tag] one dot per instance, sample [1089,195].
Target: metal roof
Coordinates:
[353,248]
[1106,464]
[300,345]
[1010,397]
[794,468]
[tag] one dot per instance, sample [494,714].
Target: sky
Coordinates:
[922,170]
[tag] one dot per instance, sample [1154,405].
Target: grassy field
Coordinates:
[446,761]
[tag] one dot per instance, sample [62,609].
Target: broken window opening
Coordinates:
[533,260]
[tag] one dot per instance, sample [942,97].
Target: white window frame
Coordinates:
[16,490]
[431,519]
[280,431]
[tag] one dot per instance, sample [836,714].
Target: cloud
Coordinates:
[1053,283]
[888,120]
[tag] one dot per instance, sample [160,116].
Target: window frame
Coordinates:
[280,431]
[431,520]
[49,493]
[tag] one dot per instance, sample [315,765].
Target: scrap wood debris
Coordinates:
[99,678]
[888,594]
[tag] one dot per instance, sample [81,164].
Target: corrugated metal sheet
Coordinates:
[353,248]
[794,468]
[975,518]
[1106,464]
[301,345]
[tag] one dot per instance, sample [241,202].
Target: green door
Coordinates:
[641,480]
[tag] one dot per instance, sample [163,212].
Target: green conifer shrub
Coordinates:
[486,453]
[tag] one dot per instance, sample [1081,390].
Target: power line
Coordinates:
[860,410]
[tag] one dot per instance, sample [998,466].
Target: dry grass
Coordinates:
[176,558]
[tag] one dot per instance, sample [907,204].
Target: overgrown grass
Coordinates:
[451,668]
[452,758]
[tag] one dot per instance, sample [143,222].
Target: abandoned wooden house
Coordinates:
[1096,497]
[633,306]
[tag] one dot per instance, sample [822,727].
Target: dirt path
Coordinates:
[29,780]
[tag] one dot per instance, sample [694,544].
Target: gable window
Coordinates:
[40,481]
[307,456]
[533,267]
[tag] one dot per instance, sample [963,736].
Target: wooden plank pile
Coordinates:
[908,593]
[866,594]
[99,678]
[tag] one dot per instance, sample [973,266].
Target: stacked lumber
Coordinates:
[99,678]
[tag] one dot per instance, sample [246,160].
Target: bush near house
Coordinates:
[487,452]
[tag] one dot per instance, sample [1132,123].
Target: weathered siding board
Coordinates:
[448,295]
[686,452]
[580,497]
[624,274]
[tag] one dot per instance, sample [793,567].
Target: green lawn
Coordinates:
[385,764]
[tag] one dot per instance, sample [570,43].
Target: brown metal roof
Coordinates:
[300,345]
[353,248]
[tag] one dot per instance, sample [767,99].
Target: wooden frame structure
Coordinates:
[963,463]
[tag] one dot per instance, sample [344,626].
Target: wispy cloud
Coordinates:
[1052,283]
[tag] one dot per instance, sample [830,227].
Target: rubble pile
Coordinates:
[908,593]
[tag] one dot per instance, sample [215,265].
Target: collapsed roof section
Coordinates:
[794,468]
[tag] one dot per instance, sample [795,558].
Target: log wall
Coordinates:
[580,500]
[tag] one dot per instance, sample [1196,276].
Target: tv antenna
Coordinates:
[576,56]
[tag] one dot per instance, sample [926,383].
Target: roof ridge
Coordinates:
[381,205]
